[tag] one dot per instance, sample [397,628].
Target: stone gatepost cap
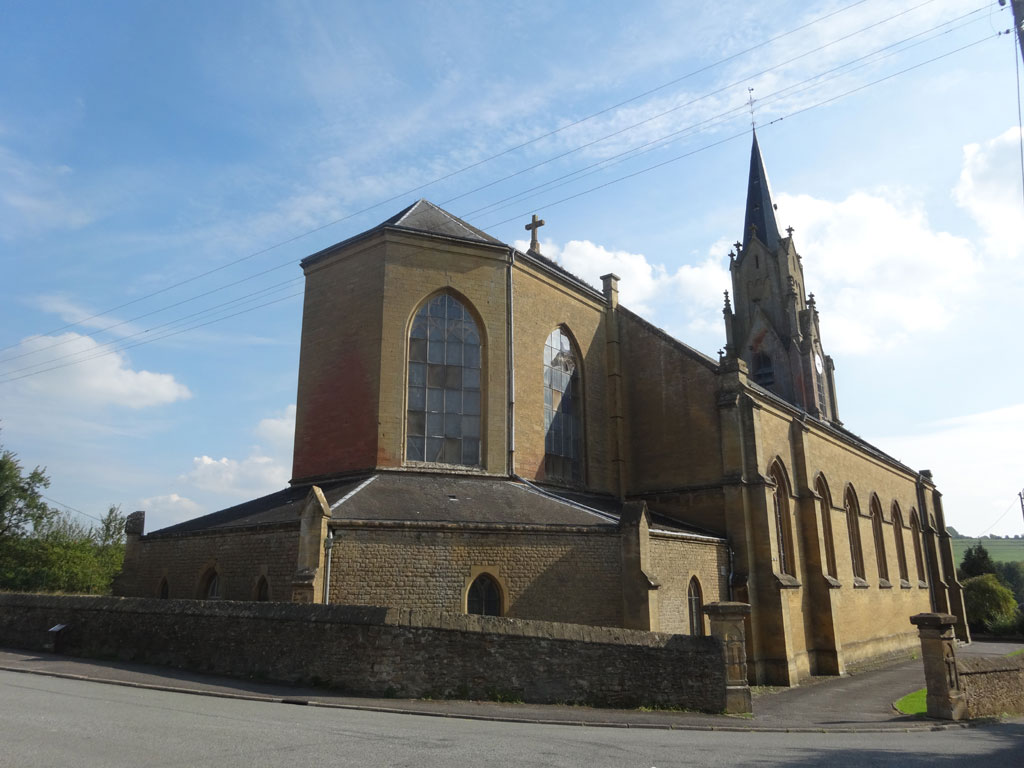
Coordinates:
[933,620]
[727,609]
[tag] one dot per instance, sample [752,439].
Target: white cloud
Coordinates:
[696,287]
[32,198]
[71,312]
[278,431]
[103,380]
[990,190]
[252,477]
[265,470]
[881,272]
[975,459]
[169,509]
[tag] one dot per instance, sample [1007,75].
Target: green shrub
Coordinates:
[988,602]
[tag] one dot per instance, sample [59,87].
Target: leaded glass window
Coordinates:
[562,400]
[443,417]
[484,598]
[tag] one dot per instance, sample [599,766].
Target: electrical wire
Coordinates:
[8,377]
[579,173]
[461,170]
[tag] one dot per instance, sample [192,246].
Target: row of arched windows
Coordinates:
[210,588]
[444,412]
[784,533]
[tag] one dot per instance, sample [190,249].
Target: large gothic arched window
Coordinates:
[444,407]
[562,410]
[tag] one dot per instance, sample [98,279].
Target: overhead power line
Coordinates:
[96,353]
[463,169]
[633,152]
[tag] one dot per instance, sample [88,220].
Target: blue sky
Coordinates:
[172,162]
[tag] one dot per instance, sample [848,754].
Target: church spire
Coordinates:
[760,219]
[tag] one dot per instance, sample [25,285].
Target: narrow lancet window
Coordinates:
[562,407]
[695,598]
[443,421]
[853,529]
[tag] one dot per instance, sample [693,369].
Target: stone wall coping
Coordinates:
[725,609]
[970,665]
[933,620]
[227,529]
[337,523]
[355,614]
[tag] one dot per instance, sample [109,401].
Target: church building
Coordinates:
[478,430]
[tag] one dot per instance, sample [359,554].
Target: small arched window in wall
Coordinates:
[783,522]
[164,591]
[562,410]
[853,530]
[876,530]
[484,597]
[764,370]
[915,534]
[825,512]
[262,590]
[443,422]
[695,601]
[897,532]
[210,588]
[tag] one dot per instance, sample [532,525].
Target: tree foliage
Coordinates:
[976,562]
[45,550]
[987,601]
[21,500]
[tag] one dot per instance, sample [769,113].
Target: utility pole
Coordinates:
[1017,7]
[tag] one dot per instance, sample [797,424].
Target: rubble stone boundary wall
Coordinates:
[381,651]
[992,685]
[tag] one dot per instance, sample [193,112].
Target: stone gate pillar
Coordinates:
[728,625]
[938,651]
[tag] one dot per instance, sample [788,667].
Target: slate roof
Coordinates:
[760,208]
[424,216]
[429,498]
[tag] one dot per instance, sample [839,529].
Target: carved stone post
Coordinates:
[945,698]
[727,624]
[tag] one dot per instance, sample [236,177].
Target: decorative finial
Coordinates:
[750,103]
[532,228]
[789,231]
[810,301]
[737,245]
[728,305]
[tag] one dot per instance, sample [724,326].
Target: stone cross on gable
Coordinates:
[532,228]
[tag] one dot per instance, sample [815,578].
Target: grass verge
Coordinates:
[913,703]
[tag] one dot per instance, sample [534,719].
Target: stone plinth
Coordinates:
[728,624]
[945,698]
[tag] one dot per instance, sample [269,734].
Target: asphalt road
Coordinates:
[56,722]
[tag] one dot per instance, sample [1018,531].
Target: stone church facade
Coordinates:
[478,430]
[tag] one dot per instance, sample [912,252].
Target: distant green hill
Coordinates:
[1001,550]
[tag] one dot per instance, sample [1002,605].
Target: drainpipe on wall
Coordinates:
[511,362]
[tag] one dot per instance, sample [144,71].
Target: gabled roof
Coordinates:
[439,499]
[424,216]
[760,216]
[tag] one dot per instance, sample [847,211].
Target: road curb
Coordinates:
[292,700]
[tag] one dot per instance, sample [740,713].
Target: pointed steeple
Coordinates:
[760,217]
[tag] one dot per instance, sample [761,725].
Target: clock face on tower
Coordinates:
[818,365]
